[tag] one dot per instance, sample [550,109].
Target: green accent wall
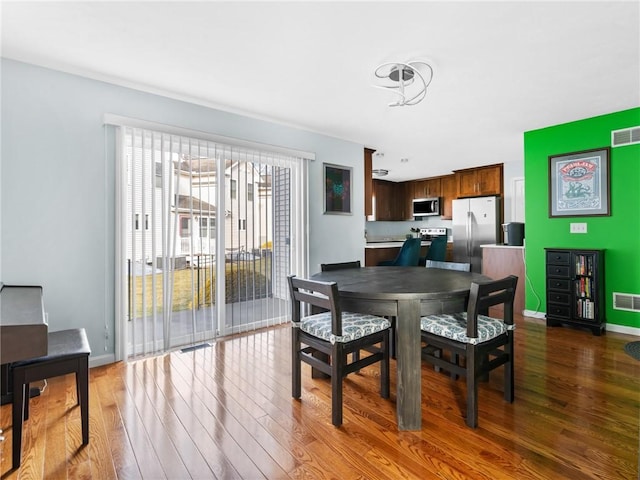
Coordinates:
[618,234]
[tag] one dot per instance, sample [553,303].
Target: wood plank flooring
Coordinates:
[226,412]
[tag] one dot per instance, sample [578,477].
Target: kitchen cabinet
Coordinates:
[408,199]
[448,193]
[388,200]
[427,188]
[373,256]
[404,191]
[476,182]
[383,200]
[575,288]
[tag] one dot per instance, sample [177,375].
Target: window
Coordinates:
[137,222]
[208,227]
[146,221]
[158,177]
[249,192]
[185,226]
[234,189]
[242,224]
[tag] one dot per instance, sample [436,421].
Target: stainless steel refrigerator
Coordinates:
[476,221]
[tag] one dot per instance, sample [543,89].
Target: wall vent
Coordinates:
[626,301]
[626,136]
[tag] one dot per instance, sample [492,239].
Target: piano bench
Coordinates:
[68,352]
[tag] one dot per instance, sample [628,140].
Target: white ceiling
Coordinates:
[500,68]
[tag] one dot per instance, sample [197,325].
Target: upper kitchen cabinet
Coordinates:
[448,193]
[476,182]
[368,182]
[384,201]
[427,188]
[388,200]
[404,200]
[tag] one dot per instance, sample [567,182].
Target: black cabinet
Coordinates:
[575,288]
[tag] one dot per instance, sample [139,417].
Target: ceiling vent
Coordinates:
[626,136]
[626,301]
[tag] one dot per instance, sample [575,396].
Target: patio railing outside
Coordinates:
[248,276]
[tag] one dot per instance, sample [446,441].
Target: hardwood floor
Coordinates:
[226,412]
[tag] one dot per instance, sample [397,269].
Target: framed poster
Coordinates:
[337,189]
[579,184]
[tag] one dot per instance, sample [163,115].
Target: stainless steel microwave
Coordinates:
[424,207]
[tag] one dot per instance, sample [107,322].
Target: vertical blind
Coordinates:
[191,211]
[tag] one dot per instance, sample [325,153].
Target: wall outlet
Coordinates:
[578,228]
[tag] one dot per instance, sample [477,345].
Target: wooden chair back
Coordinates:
[409,254]
[487,294]
[324,295]
[329,267]
[463,267]
[438,249]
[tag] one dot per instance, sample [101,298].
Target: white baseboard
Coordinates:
[610,327]
[101,360]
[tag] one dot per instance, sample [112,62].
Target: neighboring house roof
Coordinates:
[187,203]
[200,166]
[203,165]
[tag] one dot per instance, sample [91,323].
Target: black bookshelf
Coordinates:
[575,288]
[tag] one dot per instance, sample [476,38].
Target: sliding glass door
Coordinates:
[207,234]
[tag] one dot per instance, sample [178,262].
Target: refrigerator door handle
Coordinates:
[469,233]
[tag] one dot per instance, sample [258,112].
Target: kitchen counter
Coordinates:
[382,249]
[500,245]
[393,244]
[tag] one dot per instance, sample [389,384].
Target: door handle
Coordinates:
[468,234]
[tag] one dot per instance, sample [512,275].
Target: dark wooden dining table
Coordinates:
[406,293]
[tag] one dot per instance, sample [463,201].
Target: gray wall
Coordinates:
[57,188]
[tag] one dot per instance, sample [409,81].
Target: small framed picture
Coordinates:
[579,184]
[337,189]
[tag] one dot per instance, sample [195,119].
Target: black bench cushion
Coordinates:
[63,343]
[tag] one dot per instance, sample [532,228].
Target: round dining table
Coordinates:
[406,293]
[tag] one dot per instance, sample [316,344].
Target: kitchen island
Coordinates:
[499,260]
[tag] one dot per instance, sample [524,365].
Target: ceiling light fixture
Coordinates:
[405,80]
[379,172]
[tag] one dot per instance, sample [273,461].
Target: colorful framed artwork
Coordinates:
[579,184]
[337,189]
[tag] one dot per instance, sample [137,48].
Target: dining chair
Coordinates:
[485,342]
[329,267]
[462,267]
[334,334]
[438,249]
[408,256]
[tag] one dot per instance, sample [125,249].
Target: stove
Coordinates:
[431,233]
